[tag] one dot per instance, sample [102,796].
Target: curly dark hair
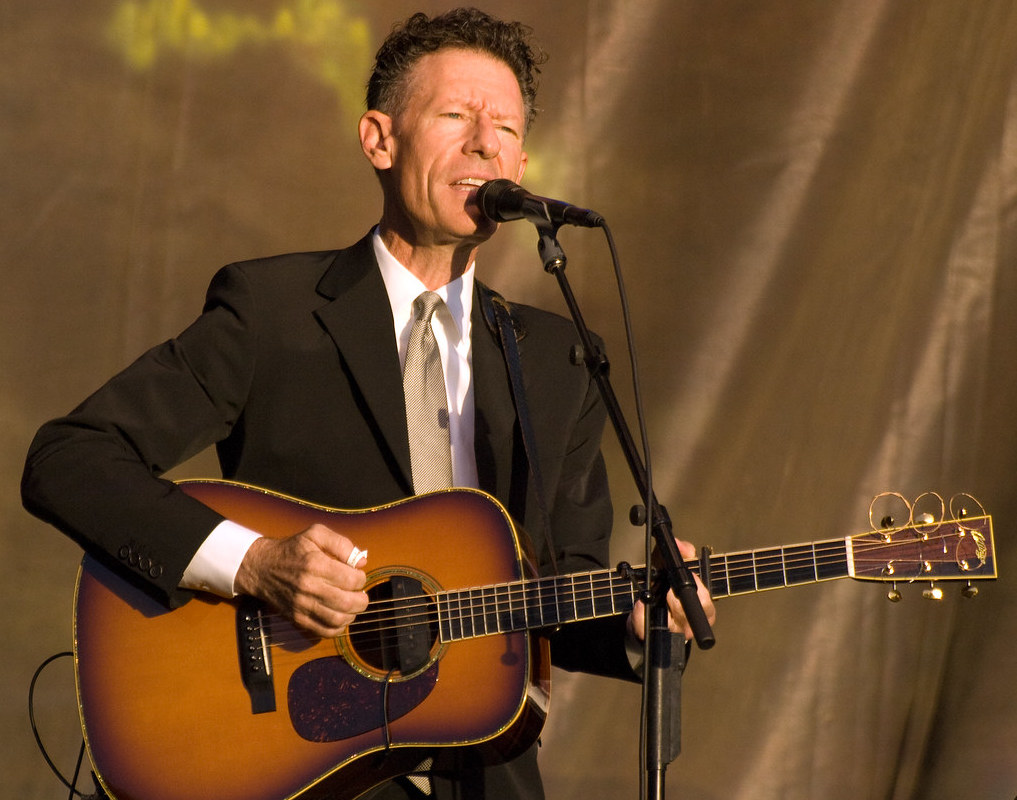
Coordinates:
[464,28]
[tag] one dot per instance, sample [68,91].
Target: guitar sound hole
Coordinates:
[399,629]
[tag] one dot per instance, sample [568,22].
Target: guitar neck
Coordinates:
[547,602]
[750,571]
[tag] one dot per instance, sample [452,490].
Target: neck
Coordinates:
[435,265]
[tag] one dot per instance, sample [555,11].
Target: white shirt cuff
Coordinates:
[214,566]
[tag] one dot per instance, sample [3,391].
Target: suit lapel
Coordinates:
[359,320]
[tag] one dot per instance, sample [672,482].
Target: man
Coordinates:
[294,372]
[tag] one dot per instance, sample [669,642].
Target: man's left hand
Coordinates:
[677,623]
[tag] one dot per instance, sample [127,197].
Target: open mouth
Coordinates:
[470,183]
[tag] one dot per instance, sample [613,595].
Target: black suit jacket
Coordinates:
[292,372]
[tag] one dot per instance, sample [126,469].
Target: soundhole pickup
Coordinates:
[397,634]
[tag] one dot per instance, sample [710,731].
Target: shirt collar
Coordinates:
[403,287]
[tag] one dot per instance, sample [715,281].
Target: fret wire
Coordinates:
[459,614]
[471,615]
[502,591]
[442,599]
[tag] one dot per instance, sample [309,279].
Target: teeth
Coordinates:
[471,182]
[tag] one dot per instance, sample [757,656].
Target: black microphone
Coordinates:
[502,200]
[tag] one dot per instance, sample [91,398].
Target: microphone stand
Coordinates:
[666,657]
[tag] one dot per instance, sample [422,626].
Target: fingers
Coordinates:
[327,615]
[329,594]
[315,578]
[340,551]
[687,549]
[637,621]
[677,622]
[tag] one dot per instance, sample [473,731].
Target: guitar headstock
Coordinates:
[925,541]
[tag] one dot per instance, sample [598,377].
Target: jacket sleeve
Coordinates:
[95,474]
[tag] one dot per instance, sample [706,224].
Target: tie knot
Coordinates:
[425,304]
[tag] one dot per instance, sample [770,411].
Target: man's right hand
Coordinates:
[306,578]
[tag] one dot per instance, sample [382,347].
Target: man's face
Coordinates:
[462,124]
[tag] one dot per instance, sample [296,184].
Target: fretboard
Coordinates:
[777,567]
[546,602]
[532,604]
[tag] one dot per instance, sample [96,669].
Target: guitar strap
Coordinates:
[498,315]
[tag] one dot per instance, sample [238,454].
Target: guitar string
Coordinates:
[467,607]
[519,590]
[739,566]
[735,566]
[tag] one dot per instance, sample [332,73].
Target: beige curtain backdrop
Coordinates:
[816,209]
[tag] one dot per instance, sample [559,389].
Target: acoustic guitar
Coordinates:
[225,700]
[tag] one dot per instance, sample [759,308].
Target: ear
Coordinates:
[523,158]
[376,138]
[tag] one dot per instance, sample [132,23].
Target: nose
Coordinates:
[483,139]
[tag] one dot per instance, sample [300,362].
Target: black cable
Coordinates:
[648,499]
[77,772]
[38,738]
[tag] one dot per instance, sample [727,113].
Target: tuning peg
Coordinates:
[933,593]
[969,591]
[894,594]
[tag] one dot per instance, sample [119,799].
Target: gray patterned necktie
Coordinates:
[426,402]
